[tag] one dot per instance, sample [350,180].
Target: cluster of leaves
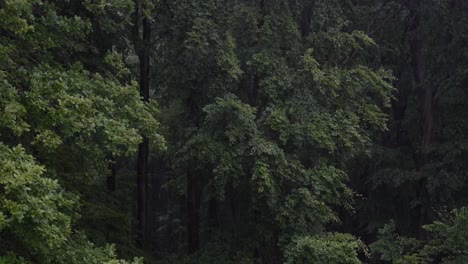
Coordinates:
[215,253]
[448,243]
[393,248]
[326,248]
[37,215]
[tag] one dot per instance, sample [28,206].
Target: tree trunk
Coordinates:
[110,180]
[305,20]
[142,45]
[142,206]
[423,89]
[193,213]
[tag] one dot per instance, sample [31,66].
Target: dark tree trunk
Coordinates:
[193,212]
[144,57]
[142,39]
[423,89]
[248,87]
[305,20]
[110,180]
[142,206]
[264,6]
[213,215]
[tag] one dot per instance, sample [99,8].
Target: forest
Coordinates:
[233,131]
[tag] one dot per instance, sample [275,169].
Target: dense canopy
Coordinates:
[236,131]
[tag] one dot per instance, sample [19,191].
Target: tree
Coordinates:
[142,43]
[268,116]
[71,119]
[418,165]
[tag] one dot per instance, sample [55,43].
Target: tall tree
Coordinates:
[418,166]
[65,109]
[267,118]
[142,43]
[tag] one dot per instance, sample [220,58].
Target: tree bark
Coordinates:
[110,180]
[423,89]
[142,38]
[305,20]
[193,213]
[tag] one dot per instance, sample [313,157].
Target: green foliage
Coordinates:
[333,248]
[276,115]
[393,248]
[111,16]
[214,254]
[449,241]
[68,108]
[12,112]
[10,258]
[80,250]
[416,171]
[265,118]
[75,103]
[36,216]
[33,208]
